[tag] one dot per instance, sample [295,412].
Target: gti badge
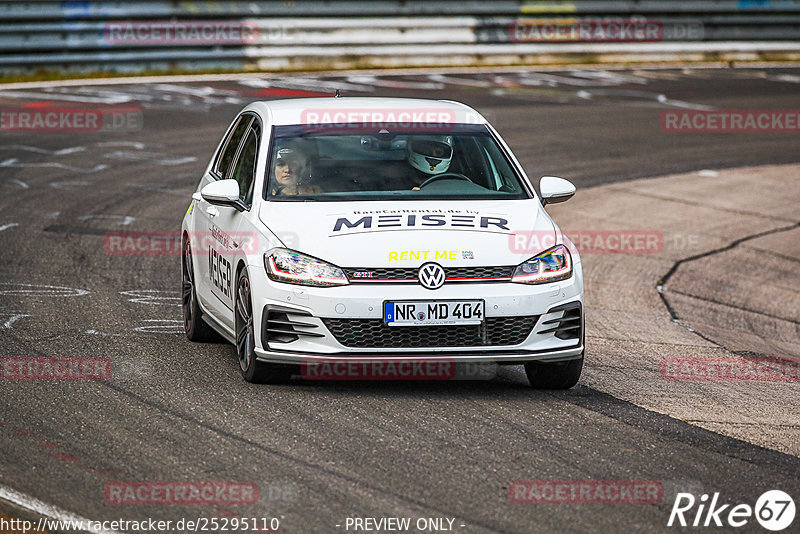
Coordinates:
[431,276]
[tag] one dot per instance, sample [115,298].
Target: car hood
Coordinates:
[407,234]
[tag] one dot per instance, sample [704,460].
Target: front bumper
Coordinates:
[550,309]
[494,356]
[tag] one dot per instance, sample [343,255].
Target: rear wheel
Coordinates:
[252,370]
[196,329]
[555,375]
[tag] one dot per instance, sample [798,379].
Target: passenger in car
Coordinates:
[290,174]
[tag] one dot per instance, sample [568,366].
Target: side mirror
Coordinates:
[223,193]
[555,190]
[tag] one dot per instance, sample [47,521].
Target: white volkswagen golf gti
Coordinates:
[379,230]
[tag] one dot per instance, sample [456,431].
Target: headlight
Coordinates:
[549,266]
[284,265]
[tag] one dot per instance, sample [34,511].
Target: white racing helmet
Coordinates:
[430,154]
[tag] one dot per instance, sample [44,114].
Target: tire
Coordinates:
[252,370]
[193,324]
[556,375]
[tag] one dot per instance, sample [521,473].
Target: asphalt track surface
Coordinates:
[321,452]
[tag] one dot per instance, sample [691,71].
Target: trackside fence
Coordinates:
[234,35]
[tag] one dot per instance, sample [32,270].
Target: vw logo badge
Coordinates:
[431,276]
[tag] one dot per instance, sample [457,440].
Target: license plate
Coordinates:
[433,312]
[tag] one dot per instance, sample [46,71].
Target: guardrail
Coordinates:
[234,35]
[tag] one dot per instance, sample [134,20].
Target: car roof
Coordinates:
[358,110]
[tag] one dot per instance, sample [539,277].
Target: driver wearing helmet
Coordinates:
[428,156]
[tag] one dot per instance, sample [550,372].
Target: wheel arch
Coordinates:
[240,266]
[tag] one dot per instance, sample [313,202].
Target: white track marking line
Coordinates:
[658,74]
[99,333]
[305,84]
[708,173]
[46,95]
[453,80]
[38,150]
[20,183]
[169,328]
[395,84]
[35,505]
[791,78]
[193,91]
[133,144]
[126,220]
[40,290]
[68,184]
[605,76]
[13,319]
[662,99]
[537,79]
[153,296]
[234,76]
[7,226]
[14,162]
[315,84]
[155,157]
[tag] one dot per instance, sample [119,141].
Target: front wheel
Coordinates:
[252,370]
[555,375]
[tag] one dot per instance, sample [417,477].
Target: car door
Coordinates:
[227,238]
[213,224]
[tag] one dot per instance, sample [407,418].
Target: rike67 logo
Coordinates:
[774,510]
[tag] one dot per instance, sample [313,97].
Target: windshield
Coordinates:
[334,163]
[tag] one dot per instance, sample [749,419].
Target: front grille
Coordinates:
[373,333]
[410,273]
[381,274]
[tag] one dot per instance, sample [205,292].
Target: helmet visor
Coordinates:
[432,149]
